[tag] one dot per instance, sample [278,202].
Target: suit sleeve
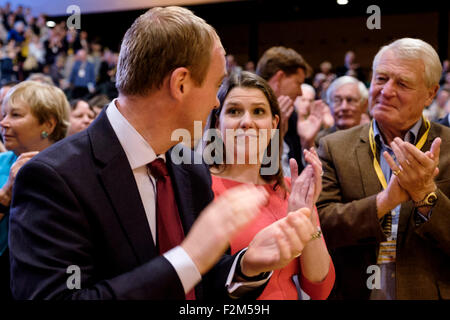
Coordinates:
[436,229]
[49,232]
[345,223]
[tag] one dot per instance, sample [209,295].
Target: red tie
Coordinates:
[169,229]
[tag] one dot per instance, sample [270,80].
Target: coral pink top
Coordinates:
[281,285]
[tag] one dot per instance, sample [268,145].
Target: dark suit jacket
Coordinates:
[292,139]
[444,121]
[77,203]
[348,216]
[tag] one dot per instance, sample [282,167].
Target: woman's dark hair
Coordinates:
[245,79]
[74,103]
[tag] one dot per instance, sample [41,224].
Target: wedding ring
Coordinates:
[396,172]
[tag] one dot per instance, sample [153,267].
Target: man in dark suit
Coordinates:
[387,222]
[85,217]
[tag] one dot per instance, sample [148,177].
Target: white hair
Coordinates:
[341,81]
[413,49]
[309,87]
[19,23]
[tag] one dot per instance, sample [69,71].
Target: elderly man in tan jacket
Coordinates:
[385,208]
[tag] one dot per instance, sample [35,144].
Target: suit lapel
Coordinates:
[369,178]
[119,183]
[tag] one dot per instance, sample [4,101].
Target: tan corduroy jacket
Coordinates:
[348,215]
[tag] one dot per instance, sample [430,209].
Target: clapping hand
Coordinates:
[286,108]
[415,170]
[306,188]
[277,244]
[310,122]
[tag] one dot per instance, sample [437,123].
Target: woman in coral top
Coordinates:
[247,114]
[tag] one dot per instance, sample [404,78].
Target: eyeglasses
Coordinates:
[337,101]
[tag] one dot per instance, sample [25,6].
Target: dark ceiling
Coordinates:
[110,27]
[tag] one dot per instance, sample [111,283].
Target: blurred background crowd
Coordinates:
[32,47]
[68,58]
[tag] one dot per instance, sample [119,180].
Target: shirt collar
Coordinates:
[139,153]
[411,135]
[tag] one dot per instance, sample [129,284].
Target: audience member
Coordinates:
[347,98]
[81,116]
[82,76]
[445,70]
[5,89]
[302,103]
[40,77]
[34,47]
[53,46]
[71,41]
[96,55]
[3,92]
[98,102]
[8,70]
[36,55]
[323,79]
[446,119]
[285,70]
[250,66]
[35,115]
[436,109]
[351,68]
[313,115]
[107,74]
[31,50]
[386,221]
[57,73]
[446,83]
[17,33]
[249,108]
[232,65]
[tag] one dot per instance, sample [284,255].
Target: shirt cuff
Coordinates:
[238,289]
[184,266]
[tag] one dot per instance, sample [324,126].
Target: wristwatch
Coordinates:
[429,200]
